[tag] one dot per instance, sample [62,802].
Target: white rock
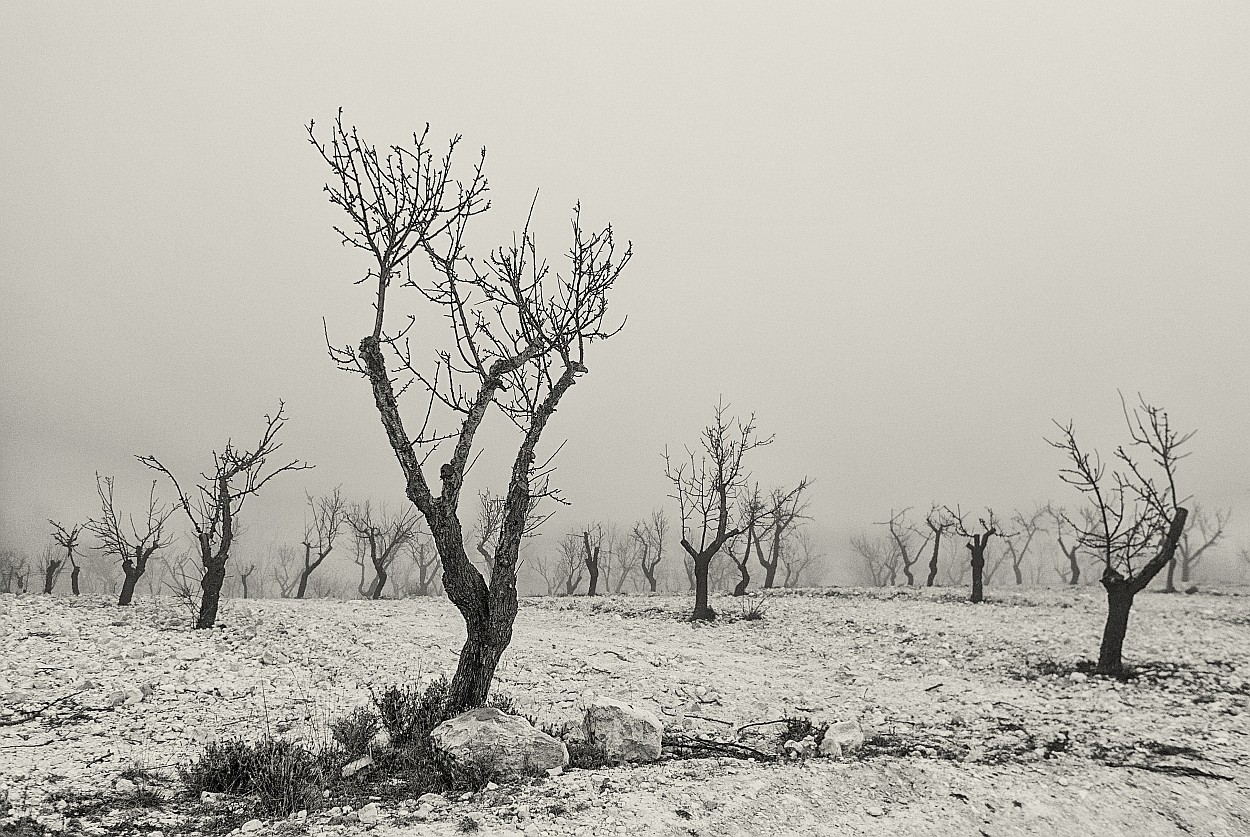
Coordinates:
[625,733]
[501,745]
[841,739]
[251,825]
[369,814]
[125,786]
[189,654]
[362,763]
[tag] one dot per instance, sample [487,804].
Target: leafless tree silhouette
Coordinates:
[1210,531]
[939,523]
[327,514]
[1134,517]
[978,540]
[707,489]
[519,337]
[136,548]
[880,557]
[213,511]
[1027,527]
[650,535]
[784,509]
[379,537]
[592,548]
[903,535]
[67,539]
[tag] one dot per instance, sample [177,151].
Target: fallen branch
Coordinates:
[709,745]
[35,713]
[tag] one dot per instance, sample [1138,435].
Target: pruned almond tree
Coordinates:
[380,535]
[650,534]
[1027,527]
[939,522]
[425,561]
[978,538]
[1194,544]
[518,334]
[218,499]
[784,509]
[708,486]
[134,544]
[592,549]
[1071,550]
[799,556]
[1138,519]
[903,535]
[880,557]
[752,510]
[327,514]
[14,571]
[67,539]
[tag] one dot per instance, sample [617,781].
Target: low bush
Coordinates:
[284,776]
[356,731]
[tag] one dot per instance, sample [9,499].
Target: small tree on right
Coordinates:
[1137,514]
[708,487]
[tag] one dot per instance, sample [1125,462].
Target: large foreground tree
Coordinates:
[1137,519]
[213,509]
[517,336]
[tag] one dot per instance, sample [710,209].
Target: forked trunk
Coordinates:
[49,576]
[1119,603]
[648,572]
[479,658]
[593,567]
[741,588]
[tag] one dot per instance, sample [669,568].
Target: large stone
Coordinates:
[625,733]
[842,738]
[496,744]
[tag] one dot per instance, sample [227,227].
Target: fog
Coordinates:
[906,237]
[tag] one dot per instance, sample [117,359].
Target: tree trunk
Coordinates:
[593,566]
[73,580]
[1075,568]
[379,583]
[911,582]
[128,587]
[702,610]
[49,576]
[1187,568]
[479,657]
[214,577]
[1119,602]
[648,572]
[1015,568]
[1171,585]
[933,559]
[303,584]
[978,570]
[741,588]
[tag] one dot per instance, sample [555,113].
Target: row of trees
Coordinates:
[1035,546]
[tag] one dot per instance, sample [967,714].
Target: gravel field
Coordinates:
[981,719]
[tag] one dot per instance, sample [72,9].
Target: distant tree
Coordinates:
[67,539]
[245,573]
[134,544]
[379,537]
[213,512]
[1027,527]
[798,557]
[784,509]
[327,514]
[571,564]
[14,571]
[1071,574]
[978,538]
[939,523]
[592,547]
[620,562]
[880,557]
[519,336]
[650,534]
[425,560]
[1210,530]
[1136,519]
[707,489]
[752,510]
[285,567]
[903,535]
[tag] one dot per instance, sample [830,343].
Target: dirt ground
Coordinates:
[982,719]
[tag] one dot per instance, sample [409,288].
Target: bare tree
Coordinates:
[880,557]
[571,564]
[1134,517]
[784,510]
[51,565]
[620,563]
[1071,574]
[14,571]
[245,573]
[1027,527]
[327,514]
[379,537]
[650,535]
[519,337]
[799,556]
[752,510]
[1210,530]
[939,523]
[592,547]
[138,546]
[236,474]
[707,489]
[425,560]
[978,541]
[903,535]
[67,539]
[285,569]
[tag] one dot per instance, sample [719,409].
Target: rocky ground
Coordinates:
[982,719]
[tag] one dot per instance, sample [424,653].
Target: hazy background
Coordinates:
[906,235]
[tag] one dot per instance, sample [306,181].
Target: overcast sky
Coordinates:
[905,236]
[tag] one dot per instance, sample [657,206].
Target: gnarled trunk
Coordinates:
[128,587]
[702,610]
[978,574]
[50,574]
[210,584]
[1119,603]
[933,559]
